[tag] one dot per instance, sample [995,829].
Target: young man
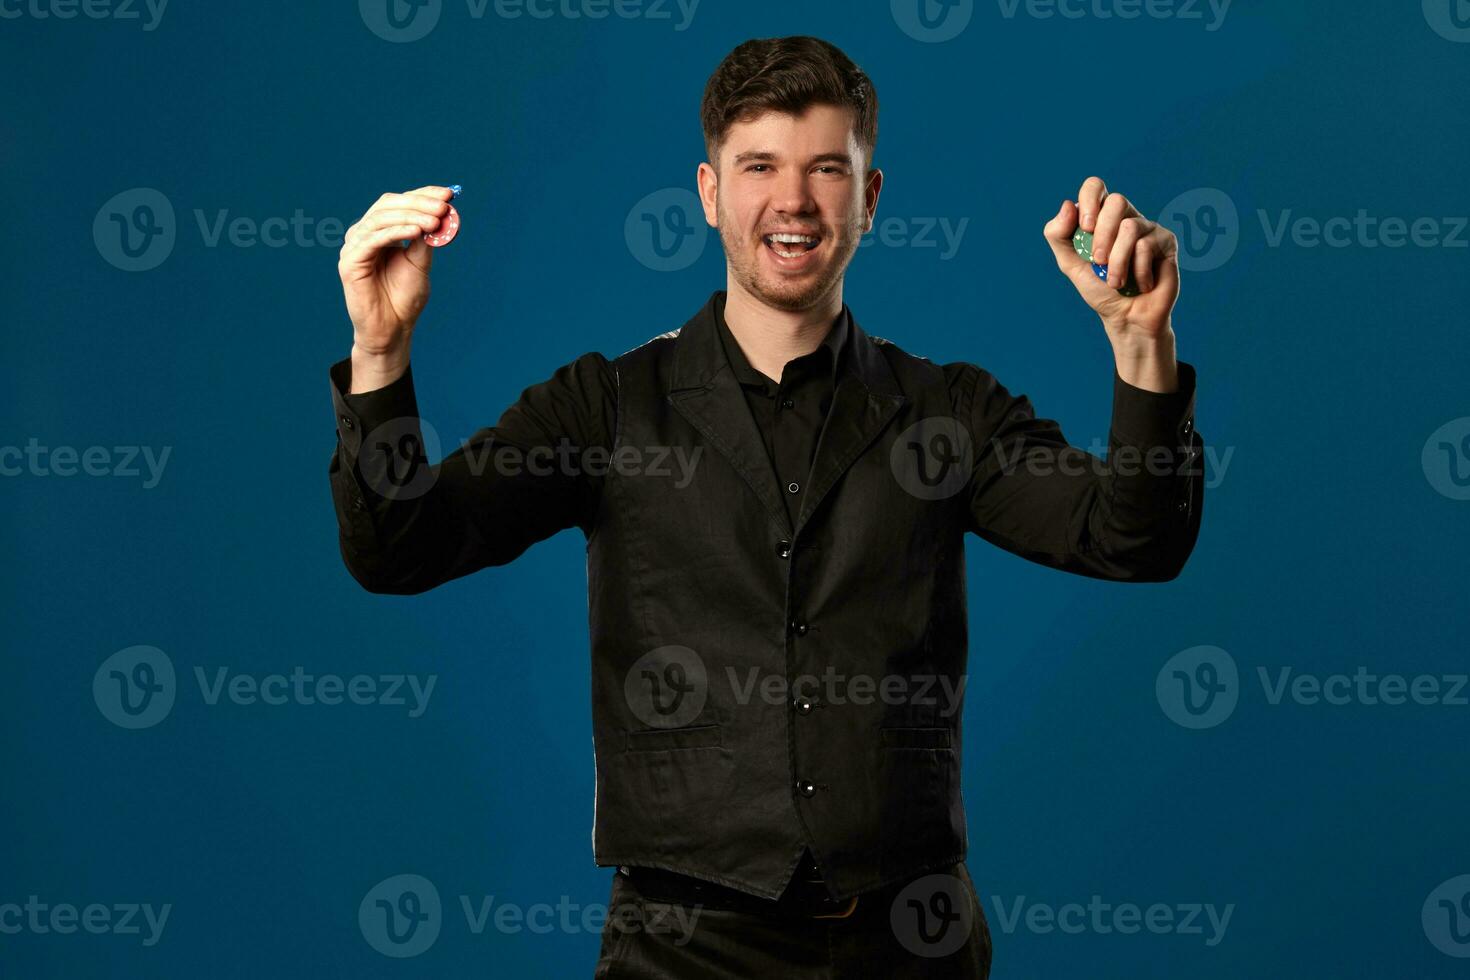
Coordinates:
[775,504]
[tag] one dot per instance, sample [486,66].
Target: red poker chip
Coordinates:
[448,228]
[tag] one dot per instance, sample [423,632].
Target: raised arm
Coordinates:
[406,524]
[1136,515]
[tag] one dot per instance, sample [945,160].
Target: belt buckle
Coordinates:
[851,905]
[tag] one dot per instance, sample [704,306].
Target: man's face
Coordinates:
[782,175]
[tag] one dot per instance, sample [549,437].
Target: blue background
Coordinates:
[1324,545]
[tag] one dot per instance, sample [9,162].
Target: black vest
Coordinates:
[759,687]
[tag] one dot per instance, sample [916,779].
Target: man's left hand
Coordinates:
[1129,242]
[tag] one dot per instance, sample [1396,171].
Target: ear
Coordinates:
[870,196]
[709,182]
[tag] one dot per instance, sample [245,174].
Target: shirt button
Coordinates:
[783,548]
[798,627]
[803,706]
[346,422]
[1188,426]
[806,788]
[788,403]
[792,487]
[1182,506]
[357,504]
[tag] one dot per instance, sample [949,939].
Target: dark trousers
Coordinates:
[932,927]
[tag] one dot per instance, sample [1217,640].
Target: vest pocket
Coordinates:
[918,790]
[664,795]
[698,737]
[917,738]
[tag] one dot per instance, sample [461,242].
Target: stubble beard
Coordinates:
[791,294]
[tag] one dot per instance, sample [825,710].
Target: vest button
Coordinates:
[783,548]
[792,487]
[803,706]
[798,628]
[806,788]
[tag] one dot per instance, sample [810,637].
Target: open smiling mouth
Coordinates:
[791,245]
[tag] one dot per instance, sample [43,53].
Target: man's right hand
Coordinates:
[387,286]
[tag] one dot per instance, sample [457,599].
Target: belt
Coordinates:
[804,898]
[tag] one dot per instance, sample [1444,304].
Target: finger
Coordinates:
[1166,270]
[361,251]
[374,220]
[428,220]
[1058,233]
[433,190]
[1145,256]
[1089,200]
[1114,210]
[411,200]
[1120,255]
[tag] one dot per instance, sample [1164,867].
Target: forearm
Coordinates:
[371,371]
[1148,362]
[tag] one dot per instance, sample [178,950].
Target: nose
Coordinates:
[793,193]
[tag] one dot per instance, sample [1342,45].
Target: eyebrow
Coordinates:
[767,156]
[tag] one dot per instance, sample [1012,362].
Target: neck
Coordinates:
[770,337]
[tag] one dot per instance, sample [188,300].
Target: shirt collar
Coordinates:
[835,342]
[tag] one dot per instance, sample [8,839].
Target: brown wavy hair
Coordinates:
[786,74]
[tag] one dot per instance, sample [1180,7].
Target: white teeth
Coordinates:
[792,239]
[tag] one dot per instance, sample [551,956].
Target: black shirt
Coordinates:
[790,413]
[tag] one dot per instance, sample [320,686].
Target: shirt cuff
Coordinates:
[360,414]
[1145,419]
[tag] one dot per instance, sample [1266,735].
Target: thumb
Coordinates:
[420,254]
[1058,232]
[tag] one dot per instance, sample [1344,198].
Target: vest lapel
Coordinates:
[866,399]
[704,390]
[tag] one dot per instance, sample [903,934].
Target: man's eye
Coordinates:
[830,170]
[755,166]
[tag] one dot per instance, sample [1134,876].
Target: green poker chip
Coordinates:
[1082,242]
